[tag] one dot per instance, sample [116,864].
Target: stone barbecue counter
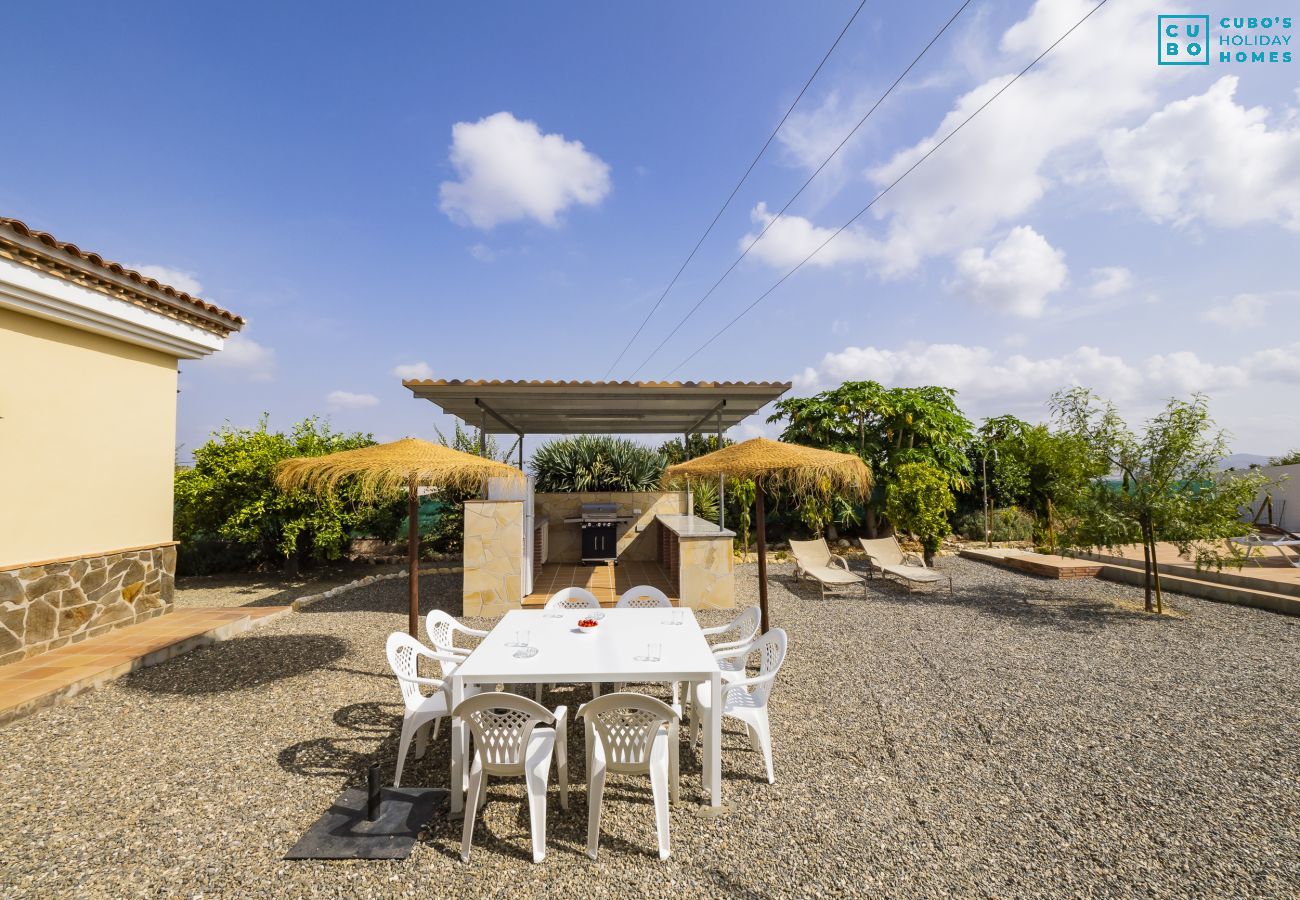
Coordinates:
[693,527]
[696,556]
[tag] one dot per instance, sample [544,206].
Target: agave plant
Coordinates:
[595,463]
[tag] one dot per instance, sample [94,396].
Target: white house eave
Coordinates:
[36,293]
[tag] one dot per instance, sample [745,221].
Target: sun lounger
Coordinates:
[886,557]
[813,559]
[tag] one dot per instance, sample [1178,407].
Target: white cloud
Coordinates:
[793,237]
[1276,364]
[509,170]
[1001,164]
[1016,276]
[413,371]
[1208,158]
[810,135]
[1183,372]
[1242,311]
[338,400]
[186,282]
[1110,281]
[245,357]
[482,252]
[989,379]
[974,369]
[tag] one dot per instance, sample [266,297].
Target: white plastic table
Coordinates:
[615,651]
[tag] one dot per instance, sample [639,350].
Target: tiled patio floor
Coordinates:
[597,579]
[71,669]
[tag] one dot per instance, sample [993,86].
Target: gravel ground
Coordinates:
[270,588]
[1021,738]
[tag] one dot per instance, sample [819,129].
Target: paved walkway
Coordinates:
[607,582]
[49,677]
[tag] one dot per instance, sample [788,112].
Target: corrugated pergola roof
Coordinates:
[598,407]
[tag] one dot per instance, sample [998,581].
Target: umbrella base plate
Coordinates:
[344,832]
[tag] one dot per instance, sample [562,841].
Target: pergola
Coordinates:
[598,407]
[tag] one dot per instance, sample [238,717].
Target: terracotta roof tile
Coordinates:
[21,228]
[478,382]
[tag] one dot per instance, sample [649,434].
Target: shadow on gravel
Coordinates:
[436,592]
[240,664]
[375,728]
[1038,603]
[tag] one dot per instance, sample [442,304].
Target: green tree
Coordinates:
[1286,459]
[228,499]
[740,496]
[1169,487]
[674,451]
[920,501]
[445,528]
[589,462]
[887,428]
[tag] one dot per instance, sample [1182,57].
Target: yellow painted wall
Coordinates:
[87,442]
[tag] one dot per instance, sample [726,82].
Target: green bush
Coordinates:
[1010,523]
[595,463]
[920,501]
[230,515]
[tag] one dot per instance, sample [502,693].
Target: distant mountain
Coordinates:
[1243,461]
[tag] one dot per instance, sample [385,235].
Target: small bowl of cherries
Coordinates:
[587,625]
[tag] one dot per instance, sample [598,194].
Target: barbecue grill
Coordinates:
[599,522]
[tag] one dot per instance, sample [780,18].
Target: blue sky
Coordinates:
[503,190]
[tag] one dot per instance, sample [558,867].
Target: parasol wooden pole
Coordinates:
[762,553]
[413,554]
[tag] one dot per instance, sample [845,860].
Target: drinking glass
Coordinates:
[521,639]
[652,652]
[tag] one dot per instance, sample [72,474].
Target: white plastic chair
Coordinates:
[510,740]
[643,596]
[442,630]
[422,711]
[573,598]
[738,632]
[636,735]
[746,698]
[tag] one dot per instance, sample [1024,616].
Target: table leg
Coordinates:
[457,747]
[713,751]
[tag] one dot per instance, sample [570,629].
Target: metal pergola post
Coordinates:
[722,482]
[690,498]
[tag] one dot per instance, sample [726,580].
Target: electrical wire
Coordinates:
[890,187]
[774,219]
[732,195]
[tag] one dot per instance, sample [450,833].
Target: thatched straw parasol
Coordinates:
[799,469]
[385,470]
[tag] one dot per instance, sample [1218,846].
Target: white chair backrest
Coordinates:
[573,598]
[811,553]
[626,725]
[771,650]
[403,658]
[441,629]
[744,627]
[883,551]
[502,725]
[643,596]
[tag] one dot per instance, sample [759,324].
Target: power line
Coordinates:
[890,187]
[773,220]
[732,195]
